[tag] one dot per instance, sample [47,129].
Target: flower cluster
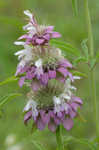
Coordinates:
[44,69]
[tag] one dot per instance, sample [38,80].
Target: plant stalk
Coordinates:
[59,138]
[92,73]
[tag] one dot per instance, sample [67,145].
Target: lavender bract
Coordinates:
[44,69]
[37,34]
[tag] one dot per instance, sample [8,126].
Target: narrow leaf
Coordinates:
[66,47]
[92,63]
[8,98]
[8,80]
[85,48]
[38,145]
[86,142]
[77,73]
[75,7]
[97,56]
[79,59]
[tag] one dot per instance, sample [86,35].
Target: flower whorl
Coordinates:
[48,74]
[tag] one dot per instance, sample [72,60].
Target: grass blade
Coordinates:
[8,98]
[8,80]
[38,145]
[75,7]
[66,47]
[86,142]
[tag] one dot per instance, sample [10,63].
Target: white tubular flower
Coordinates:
[67,94]
[56,100]
[25,56]
[39,69]
[25,52]
[38,63]
[30,104]
[59,52]
[28,13]
[68,85]
[30,28]
[31,25]
[19,43]
[76,77]
[33,106]
[57,104]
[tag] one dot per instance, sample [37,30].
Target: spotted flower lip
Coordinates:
[38,34]
[61,112]
[53,119]
[42,75]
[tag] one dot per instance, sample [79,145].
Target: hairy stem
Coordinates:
[91,52]
[59,138]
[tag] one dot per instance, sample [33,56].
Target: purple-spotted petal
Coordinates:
[70,76]
[39,41]
[35,85]
[77,100]
[46,37]
[56,35]
[61,79]
[59,114]
[65,63]
[38,72]
[75,106]
[23,37]
[72,113]
[45,116]
[51,113]
[21,81]
[52,126]
[30,75]
[57,120]
[44,79]
[63,71]
[68,123]
[52,74]
[21,70]
[49,29]
[40,124]
[27,116]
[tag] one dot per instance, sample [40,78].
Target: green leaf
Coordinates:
[77,73]
[86,142]
[75,7]
[66,47]
[85,48]
[8,98]
[79,59]
[92,63]
[97,56]
[8,80]
[38,145]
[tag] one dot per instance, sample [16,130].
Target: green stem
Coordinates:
[89,28]
[91,52]
[59,138]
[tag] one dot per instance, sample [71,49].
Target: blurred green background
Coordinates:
[73,30]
